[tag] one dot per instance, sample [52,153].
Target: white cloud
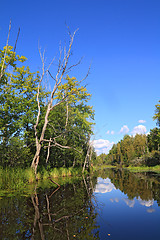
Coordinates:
[100,143]
[140,129]
[124,129]
[104,186]
[102,146]
[129,202]
[148,203]
[142,121]
[150,210]
[110,132]
[114,200]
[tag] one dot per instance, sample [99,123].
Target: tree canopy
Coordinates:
[57,124]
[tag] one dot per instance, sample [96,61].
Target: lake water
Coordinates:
[114,204]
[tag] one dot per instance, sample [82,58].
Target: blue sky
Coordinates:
[122,40]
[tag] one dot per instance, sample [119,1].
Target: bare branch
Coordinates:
[66,147]
[38,92]
[2,69]
[87,155]
[5,51]
[66,115]
[51,75]
[74,65]
[48,208]
[48,153]
[54,192]
[51,63]
[54,182]
[16,40]
[88,72]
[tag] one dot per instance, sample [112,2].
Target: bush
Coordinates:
[153,159]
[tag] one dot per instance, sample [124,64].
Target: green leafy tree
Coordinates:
[102,159]
[157,113]
[8,101]
[153,139]
[119,154]
[140,144]
[127,149]
[18,107]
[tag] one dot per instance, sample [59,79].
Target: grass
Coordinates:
[131,168]
[13,179]
[54,173]
[103,166]
[20,180]
[29,175]
[144,169]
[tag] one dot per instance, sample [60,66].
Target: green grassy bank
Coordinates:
[144,169]
[130,168]
[23,180]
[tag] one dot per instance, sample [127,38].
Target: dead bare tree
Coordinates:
[37,217]
[4,63]
[88,155]
[63,69]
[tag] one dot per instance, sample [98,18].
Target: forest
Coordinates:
[138,150]
[41,127]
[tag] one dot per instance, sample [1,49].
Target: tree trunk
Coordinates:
[35,161]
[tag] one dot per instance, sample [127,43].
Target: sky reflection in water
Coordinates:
[121,217]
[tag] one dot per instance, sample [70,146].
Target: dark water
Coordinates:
[113,205]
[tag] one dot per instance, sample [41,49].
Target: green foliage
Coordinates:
[18,110]
[18,107]
[15,153]
[54,173]
[140,150]
[152,159]
[153,139]
[157,114]
[12,179]
[128,151]
[45,174]
[71,120]
[29,175]
[101,159]
[71,123]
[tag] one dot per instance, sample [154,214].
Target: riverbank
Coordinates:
[23,180]
[130,168]
[144,169]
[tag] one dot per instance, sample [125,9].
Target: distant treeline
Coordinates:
[138,150]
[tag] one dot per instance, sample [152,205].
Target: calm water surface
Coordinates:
[115,204]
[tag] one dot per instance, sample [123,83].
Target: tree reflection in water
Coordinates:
[67,213]
[144,186]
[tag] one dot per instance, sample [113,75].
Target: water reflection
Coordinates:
[145,187]
[115,204]
[128,204]
[48,214]
[104,186]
